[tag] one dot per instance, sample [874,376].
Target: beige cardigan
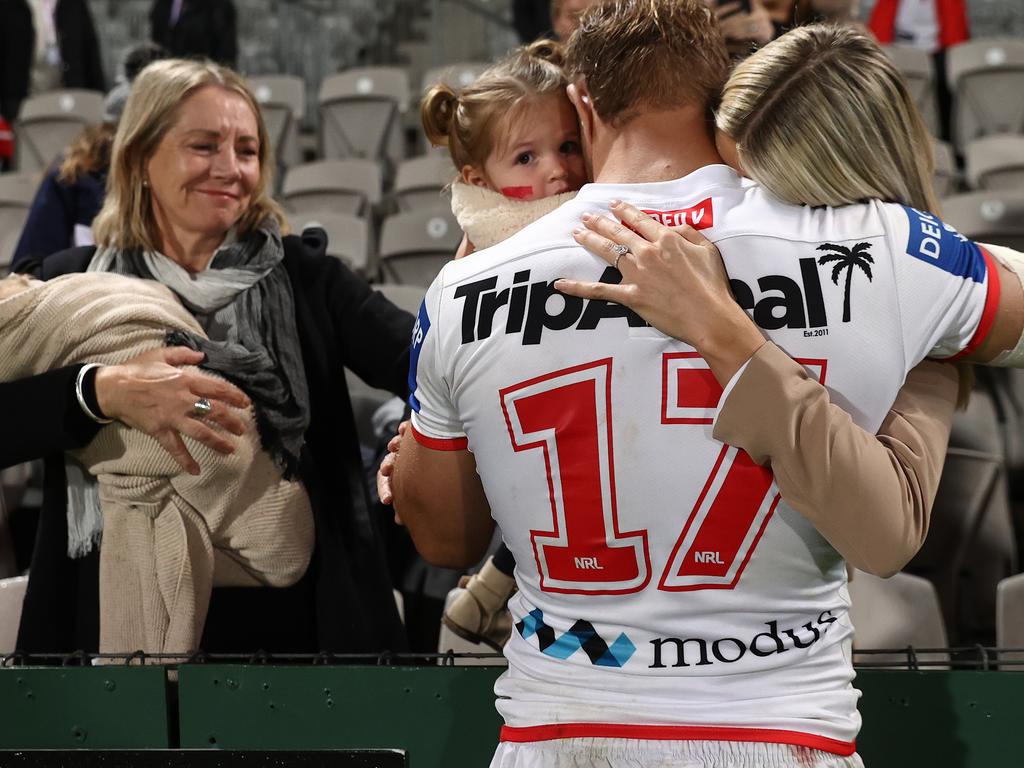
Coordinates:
[169,536]
[869,495]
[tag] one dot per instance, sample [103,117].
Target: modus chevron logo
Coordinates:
[581,635]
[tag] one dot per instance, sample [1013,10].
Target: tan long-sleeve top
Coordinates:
[869,495]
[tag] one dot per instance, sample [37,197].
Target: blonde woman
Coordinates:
[818,117]
[189,206]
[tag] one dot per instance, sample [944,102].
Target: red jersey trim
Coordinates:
[440,443]
[988,314]
[675,733]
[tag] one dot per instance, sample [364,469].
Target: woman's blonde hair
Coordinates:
[472,121]
[126,219]
[821,116]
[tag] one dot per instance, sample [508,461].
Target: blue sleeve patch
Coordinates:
[939,244]
[419,333]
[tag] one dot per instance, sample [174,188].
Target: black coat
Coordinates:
[205,28]
[76,38]
[344,603]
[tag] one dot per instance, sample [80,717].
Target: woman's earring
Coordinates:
[145,182]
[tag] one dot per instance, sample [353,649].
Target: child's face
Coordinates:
[541,154]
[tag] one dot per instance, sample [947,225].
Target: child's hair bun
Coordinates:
[547,50]
[437,113]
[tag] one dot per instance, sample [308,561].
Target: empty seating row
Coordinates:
[985,78]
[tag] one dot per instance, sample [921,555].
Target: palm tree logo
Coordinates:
[847,258]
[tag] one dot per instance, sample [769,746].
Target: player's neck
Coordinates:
[659,146]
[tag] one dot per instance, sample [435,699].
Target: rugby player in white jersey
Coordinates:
[670,607]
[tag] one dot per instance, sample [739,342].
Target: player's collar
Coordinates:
[702,178]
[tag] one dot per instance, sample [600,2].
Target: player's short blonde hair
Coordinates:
[821,116]
[638,56]
[126,219]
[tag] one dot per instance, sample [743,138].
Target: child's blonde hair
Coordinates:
[821,116]
[471,122]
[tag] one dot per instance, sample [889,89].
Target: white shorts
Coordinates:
[643,753]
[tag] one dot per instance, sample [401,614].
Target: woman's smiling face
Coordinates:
[202,175]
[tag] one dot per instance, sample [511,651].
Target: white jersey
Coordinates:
[665,591]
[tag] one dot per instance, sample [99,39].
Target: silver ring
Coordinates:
[620,251]
[203,407]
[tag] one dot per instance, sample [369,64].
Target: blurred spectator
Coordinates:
[532,19]
[931,25]
[565,16]
[71,193]
[46,44]
[191,28]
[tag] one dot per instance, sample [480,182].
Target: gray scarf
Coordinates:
[245,304]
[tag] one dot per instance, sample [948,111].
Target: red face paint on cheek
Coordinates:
[519,193]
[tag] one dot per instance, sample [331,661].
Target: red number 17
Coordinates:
[568,416]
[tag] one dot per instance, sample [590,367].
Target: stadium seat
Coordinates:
[415,245]
[282,99]
[350,186]
[449,641]
[360,113]
[1010,618]
[407,297]
[917,69]
[8,242]
[988,217]
[894,613]
[348,237]
[16,193]
[456,75]
[946,177]
[420,181]
[12,595]
[996,163]
[365,402]
[48,123]
[986,78]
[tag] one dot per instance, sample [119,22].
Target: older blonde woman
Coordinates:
[189,206]
[818,117]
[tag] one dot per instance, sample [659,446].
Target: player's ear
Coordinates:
[580,98]
[473,177]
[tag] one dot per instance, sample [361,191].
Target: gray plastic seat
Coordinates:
[919,72]
[282,99]
[415,245]
[946,179]
[420,181]
[360,113]
[1010,618]
[986,78]
[996,163]
[351,186]
[49,122]
[457,75]
[348,237]
[989,217]
[407,297]
[16,193]
[894,613]
[12,596]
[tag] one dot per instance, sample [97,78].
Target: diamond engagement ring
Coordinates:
[620,251]
[203,407]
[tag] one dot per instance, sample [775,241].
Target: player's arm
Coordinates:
[439,497]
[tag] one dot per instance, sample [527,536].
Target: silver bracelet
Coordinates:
[81,398]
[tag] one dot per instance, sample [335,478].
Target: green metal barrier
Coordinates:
[442,716]
[962,719]
[104,707]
